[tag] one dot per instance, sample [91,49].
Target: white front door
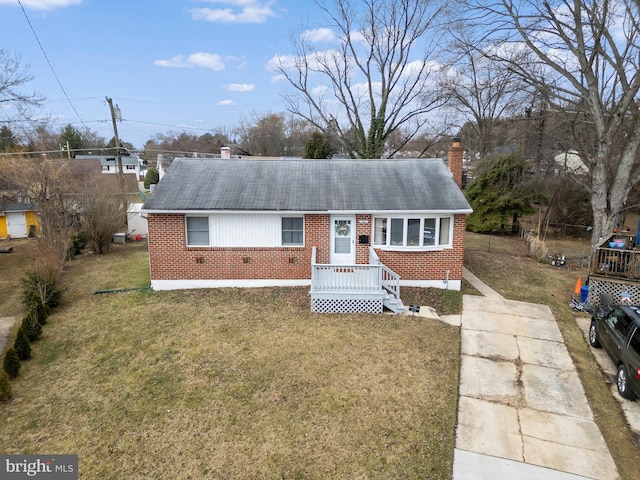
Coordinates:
[343,240]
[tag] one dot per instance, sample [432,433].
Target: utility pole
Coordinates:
[115,133]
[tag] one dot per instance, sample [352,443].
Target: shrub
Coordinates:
[152,177]
[39,293]
[31,327]
[78,242]
[11,363]
[22,345]
[5,387]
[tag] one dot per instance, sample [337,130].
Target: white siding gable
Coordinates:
[245,230]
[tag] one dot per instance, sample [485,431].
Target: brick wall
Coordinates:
[430,265]
[171,259]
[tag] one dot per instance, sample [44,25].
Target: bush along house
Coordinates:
[355,231]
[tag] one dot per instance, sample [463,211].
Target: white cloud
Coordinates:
[226,103]
[200,59]
[42,4]
[207,60]
[238,11]
[319,35]
[240,87]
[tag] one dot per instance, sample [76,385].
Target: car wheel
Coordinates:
[622,380]
[594,341]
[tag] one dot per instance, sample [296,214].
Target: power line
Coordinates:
[50,65]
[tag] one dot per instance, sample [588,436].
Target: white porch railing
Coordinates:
[372,277]
[389,279]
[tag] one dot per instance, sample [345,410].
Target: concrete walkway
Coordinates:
[522,411]
[5,326]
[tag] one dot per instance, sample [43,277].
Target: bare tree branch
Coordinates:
[586,56]
[374,80]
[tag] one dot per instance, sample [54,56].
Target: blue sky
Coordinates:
[170,65]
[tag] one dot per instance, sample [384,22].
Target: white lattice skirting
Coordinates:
[346,305]
[598,286]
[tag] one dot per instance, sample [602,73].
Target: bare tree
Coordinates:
[44,139]
[14,75]
[48,185]
[102,204]
[483,92]
[262,135]
[589,54]
[374,80]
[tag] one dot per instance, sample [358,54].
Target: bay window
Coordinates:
[412,231]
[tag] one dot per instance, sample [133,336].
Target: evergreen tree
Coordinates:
[32,327]
[8,141]
[318,146]
[504,191]
[5,387]
[152,177]
[72,139]
[22,345]
[11,363]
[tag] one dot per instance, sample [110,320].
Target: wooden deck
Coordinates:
[615,262]
[354,288]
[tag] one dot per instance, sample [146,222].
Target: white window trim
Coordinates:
[292,245]
[186,231]
[419,248]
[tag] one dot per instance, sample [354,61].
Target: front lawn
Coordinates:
[231,383]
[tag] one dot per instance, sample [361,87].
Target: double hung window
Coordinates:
[197,231]
[292,231]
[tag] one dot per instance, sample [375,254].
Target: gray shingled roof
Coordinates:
[307,186]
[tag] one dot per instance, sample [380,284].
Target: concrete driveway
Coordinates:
[522,411]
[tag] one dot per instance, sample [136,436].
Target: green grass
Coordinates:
[233,383]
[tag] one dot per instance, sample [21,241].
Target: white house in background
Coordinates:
[109,163]
[136,223]
[570,162]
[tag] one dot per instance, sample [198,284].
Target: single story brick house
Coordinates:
[354,230]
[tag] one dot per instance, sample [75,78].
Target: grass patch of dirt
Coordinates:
[508,270]
[233,383]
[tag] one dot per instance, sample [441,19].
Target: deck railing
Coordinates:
[372,277]
[390,280]
[616,262]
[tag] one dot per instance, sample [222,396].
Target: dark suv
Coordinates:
[616,328]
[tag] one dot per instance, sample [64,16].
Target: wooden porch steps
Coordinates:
[392,303]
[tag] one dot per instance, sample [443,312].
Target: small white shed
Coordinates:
[136,223]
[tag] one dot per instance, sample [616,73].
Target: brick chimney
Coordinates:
[225,152]
[454,160]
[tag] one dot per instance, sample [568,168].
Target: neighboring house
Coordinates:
[354,230]
[570,162]
[136,223]
[19,213]
[86,175]
[19,220]
[109,163]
